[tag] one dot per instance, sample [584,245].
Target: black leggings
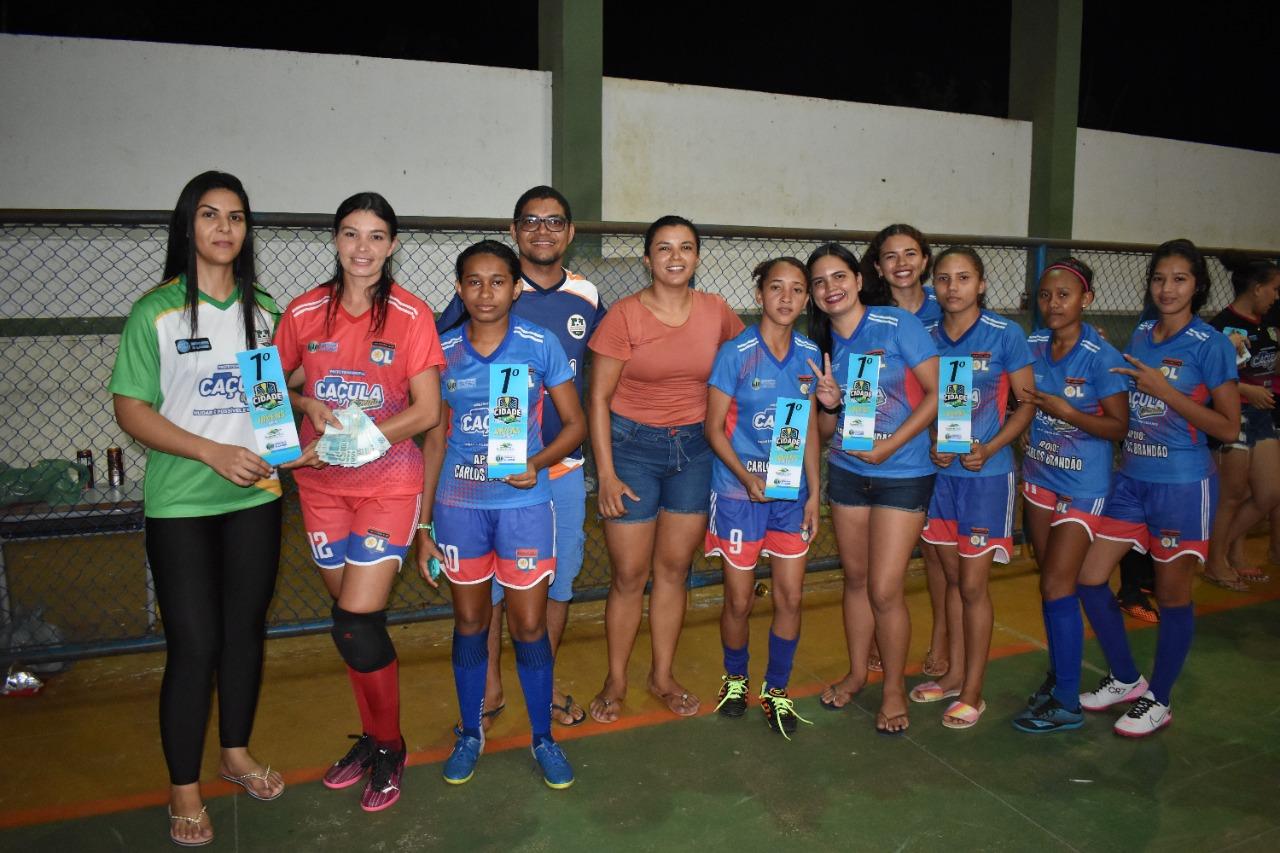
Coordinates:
[214,578]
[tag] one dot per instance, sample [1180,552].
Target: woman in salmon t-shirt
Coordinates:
[648,399]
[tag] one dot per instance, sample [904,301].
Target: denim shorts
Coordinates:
[911,494]
[668,467]
[1255,425]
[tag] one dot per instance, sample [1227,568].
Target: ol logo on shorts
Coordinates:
[526,559]
[1169,538]
[978,536]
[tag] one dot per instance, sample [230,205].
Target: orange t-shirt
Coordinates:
[665,368]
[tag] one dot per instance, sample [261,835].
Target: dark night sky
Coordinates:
[1203,72]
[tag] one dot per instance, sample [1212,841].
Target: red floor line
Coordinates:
[219,788]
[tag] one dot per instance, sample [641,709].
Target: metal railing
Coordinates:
[73,581]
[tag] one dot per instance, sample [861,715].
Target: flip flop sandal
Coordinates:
[567,708]
[683,707]
[931,668]
[1253,574]
[875,663]
[1226,583]
[832,706]
[491,715]
[931,691]
[609,705]
[961,715]
[887,732]
[182,842]
[243,782]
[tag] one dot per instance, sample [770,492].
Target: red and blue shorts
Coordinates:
[973,514]
[740,531]
[517,545]
[358,530]
[1166,519]
[1086,512]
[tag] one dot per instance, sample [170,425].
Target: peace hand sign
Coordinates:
[1148,380]
[827,389]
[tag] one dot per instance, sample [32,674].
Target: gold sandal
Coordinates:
[242,781]
[203,813]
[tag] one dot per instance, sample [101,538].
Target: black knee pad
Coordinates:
[362,639]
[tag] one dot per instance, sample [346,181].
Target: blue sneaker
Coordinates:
[1048,717]
[556,771]
[461,764]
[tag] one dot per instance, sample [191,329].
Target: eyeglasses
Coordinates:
[531,223]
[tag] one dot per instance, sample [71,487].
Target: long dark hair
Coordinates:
[819,322]
[180,256]
[875,290]
[381,208]
[1185,249]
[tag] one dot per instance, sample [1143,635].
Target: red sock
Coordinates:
[378,694]
[362,703]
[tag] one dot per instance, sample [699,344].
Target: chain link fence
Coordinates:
[73,576]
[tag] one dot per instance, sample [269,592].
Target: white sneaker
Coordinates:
[1145,717]
[1112,691]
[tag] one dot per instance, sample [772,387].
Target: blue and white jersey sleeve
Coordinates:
[747,371]
[1060,457]
[998,349]
[902,344]
[464,386]
[1161,446]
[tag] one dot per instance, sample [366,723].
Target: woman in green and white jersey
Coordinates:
[212,505]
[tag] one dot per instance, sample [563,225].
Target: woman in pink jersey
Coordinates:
[362,340]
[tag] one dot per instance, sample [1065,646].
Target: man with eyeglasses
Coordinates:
[569,307]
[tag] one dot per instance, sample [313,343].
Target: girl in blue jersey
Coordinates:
[971,515]
[886,488]
[898,260]
[752,376]
[503,528]
[1082,408]
[1182,388]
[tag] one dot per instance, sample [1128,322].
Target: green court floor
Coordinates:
[1209,782]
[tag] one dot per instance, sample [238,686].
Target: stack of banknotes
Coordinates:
[358,441]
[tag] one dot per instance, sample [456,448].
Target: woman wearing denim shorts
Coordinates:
[885,489]
[647,401]
[1248,488]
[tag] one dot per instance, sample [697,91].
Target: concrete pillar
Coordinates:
[1044,88]
[571,47]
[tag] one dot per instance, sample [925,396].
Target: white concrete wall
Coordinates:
[749,158]
[1145,190]
[111,124]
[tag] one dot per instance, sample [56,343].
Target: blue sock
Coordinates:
[735,660]
[1048,633]
[1177,624]
[1065,629]
[535,666]
[1104,615]
[470,665]
[781,654]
